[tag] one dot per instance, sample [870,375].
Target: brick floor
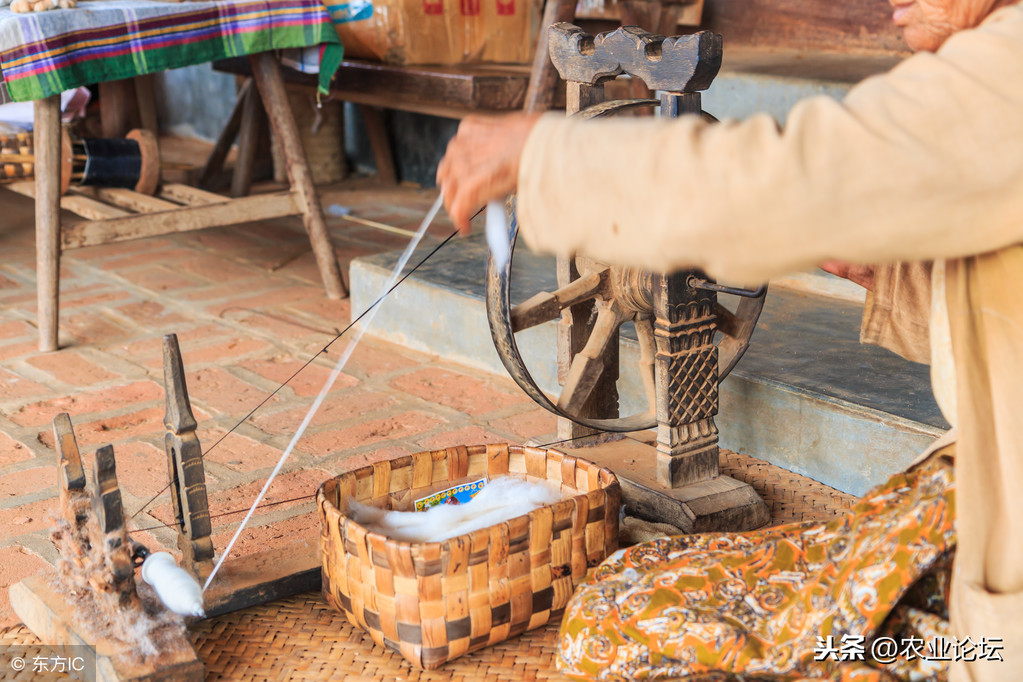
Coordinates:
[247,305]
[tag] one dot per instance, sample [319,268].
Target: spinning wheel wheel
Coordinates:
[618,295]
[688,340]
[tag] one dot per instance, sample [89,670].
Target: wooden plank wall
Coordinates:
[854,26]
[860,27]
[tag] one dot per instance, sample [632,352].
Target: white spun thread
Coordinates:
[349,349]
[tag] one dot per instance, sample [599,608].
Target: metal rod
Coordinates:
[697,283]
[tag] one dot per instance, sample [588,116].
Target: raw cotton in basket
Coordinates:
[501,499]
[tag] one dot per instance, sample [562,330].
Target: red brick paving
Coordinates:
[12,452]
[13,386]
[70,367]
[341,407]
[15,329]
[27,481]
[395,427]
[32,517]
[389,401]
[306,383]
[459,391]
[236,452]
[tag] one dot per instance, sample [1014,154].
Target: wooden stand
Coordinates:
[118,215]
[98,581]
[93,591]
[672,475]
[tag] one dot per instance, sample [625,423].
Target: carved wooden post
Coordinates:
[686,376]
[75,502]
[188,477]
[686,361]
[110,516]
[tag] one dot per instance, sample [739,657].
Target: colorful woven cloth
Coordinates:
[771,602]
[44,53]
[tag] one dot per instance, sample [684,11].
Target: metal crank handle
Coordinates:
[698,283]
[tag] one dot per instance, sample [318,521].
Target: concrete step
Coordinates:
[807,395]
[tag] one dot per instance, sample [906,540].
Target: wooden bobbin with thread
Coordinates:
[17,160]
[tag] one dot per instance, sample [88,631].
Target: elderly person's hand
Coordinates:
[482,163]
[860,274]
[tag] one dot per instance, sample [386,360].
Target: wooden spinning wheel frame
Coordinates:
[619,295]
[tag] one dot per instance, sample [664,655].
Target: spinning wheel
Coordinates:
[618,295]
[688,340]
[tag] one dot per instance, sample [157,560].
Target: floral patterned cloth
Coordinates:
[769,603]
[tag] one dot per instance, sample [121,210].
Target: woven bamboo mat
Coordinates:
[301,638]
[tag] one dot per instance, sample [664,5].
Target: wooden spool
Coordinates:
[435,601]
[17,160]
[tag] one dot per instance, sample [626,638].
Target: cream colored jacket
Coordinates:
[907,168]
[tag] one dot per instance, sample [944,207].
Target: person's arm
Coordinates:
[923,162]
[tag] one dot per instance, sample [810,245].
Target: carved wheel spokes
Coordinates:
[612,310]
[588,366]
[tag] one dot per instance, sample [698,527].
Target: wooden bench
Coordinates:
[445,91]
[800,38]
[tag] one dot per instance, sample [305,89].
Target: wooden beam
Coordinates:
[446,91]
[376,129]
[248,141]
[49,615]
[83,206]
[131,200]
[852,26]
[543,76]
[190,196]
[145,94]
[114,105]
[265,576]
[254,208]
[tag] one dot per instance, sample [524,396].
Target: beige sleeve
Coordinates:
[896,315]
[909,167]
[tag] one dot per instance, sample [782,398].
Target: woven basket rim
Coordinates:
[327,506]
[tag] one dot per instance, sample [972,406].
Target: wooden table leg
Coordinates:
[215,162]
[266,72]
[47,151]
[248,140]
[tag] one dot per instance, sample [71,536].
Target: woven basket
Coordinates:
[433,602]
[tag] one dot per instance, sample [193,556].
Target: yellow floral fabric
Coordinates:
[764,603]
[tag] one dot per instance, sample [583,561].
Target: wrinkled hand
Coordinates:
[860,274]
[482,163]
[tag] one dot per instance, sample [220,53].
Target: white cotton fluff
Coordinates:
[497,233]
[501,499]
[175,586]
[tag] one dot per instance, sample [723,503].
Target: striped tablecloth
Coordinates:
[45,53]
